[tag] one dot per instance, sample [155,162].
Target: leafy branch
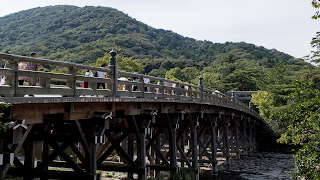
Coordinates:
[3,125]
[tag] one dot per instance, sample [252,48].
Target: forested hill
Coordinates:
[83,34]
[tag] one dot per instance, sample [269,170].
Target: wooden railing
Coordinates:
[70,84]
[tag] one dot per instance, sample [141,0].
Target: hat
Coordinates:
[32,53]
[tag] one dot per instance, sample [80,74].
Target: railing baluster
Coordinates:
[72,83]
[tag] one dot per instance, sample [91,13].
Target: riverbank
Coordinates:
[255,166]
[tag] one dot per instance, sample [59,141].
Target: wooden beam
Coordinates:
[111,148]
[66,157]
[158,151]
[123,155]
[83,138]
[17,148]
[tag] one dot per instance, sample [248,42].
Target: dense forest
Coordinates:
[82,35]
[288,97]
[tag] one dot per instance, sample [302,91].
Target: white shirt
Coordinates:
[89,74]
[101,74]
[146,80]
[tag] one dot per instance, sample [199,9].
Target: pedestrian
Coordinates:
[29,66]
[181,86]
[101,75]
[167,84]
[146,81]
[134,87]
[174,86]
[87,74]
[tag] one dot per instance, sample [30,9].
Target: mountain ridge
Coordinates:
[82,34]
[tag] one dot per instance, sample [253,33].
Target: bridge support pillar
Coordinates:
[255,134]
[250,136]
[244,137]
[237,137]
[173,146]
[214,119]
[130,151]
[141,151]
[226,141]
[29,157]
[158,143]
[195,146]
[1,159]
[91,155]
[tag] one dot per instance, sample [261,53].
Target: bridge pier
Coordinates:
[213,125]
[237,124]
[244,137]
[226,140]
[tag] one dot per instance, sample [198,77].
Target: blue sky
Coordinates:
[285,25]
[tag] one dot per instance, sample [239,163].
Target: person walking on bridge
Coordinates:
[101,75]
[29,66]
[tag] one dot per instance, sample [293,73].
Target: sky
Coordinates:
[285,25]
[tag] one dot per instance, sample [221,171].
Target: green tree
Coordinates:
[303,129]
[316,40]
[240,80]
[174,74]
[3,123]
[264,102]
[124,64]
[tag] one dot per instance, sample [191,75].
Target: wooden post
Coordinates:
[91,157]
[195,146]
[130,151]
[158,143]
[237,138]
[255,124]
[250,136]
[244,135]
[72,83]
[183,141]
[201,89]
[29,157]
[2,164]
[141,87]
[14,81]
[173,148]
[114,68]
[161,90]
[141,150]
[226,141]
[214,119]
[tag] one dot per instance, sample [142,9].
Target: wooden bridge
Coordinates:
[164,130]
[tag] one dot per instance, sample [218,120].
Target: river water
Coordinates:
[258,166]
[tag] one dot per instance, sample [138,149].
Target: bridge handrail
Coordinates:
[115,87]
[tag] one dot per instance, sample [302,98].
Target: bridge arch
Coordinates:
[171,129]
